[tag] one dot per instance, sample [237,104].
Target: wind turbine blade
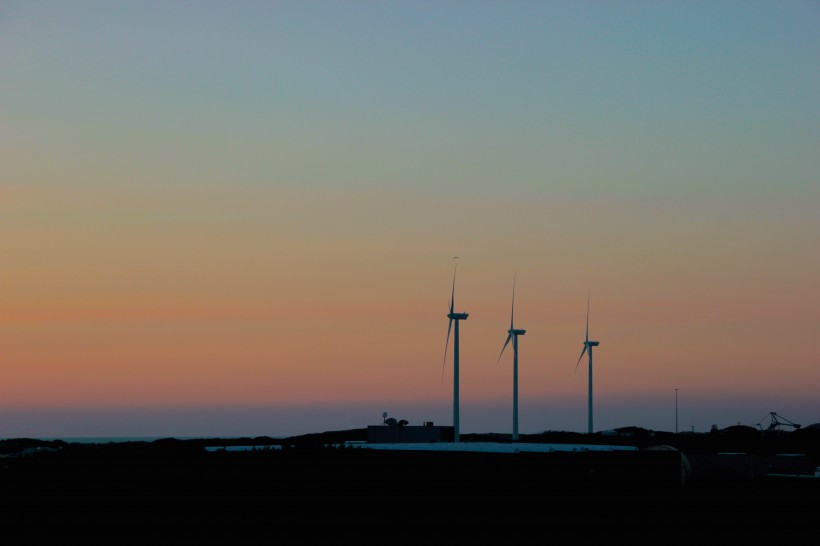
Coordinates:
[450,323]
[446,344]
[509,337]
[580,357]
[453,293]
[512,312]
[587,338]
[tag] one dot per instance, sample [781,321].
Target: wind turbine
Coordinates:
[512,335]
[454,317]
[588,345]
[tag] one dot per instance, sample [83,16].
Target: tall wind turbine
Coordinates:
[588,345]
[512,335]
[454,317]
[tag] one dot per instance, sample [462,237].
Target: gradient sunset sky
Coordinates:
[239,218]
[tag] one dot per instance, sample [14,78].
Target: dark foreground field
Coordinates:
[173,492]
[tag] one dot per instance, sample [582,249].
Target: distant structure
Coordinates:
[401,432]
[588,345]
[776,421]
[454,317]
[512,335]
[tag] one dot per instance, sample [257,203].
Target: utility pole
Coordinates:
[676,411]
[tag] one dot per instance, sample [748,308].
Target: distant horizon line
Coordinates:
[125,438]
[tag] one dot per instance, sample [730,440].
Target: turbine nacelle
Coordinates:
[458,316]
[591,343]
[515,332]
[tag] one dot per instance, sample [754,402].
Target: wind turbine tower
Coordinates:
[512,335]
[454,317]
[588,345]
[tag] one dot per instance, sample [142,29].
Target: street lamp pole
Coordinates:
[676,411]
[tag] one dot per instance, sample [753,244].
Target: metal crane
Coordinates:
[777,421]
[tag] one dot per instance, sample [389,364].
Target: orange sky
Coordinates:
[180,230]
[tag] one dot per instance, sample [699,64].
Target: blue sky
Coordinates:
[250,209]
